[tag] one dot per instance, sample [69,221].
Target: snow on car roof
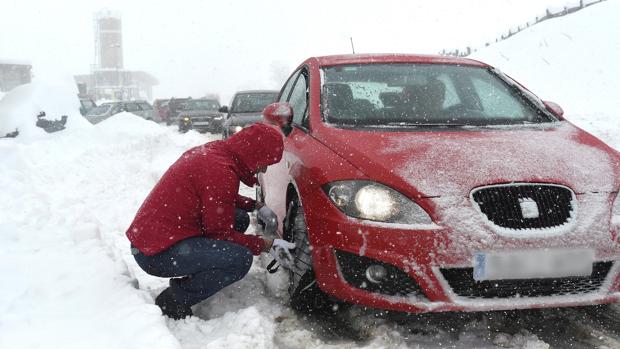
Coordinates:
[393,58]
[257,91]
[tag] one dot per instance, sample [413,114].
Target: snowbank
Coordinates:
[65,201]
[20,106]
[570,60]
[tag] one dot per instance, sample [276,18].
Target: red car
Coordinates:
[161,108]
[427,183]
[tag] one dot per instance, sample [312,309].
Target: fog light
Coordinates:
[376,273]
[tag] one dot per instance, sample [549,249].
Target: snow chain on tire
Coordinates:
[298,233]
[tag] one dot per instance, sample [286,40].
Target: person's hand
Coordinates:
[281,252]
[267,243]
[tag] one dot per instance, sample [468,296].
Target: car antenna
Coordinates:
[352,47]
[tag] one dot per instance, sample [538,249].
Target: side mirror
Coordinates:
[280,114]
[223,109]
[555,109]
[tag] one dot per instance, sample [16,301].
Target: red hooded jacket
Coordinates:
[198,194]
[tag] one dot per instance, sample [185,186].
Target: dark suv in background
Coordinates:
[246,108]
[201,115]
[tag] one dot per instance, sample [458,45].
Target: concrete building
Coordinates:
[108,78]
[14,73]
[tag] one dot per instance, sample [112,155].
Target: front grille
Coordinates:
[397,283]
[502,204]
[462,282]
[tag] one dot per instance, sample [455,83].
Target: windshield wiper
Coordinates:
[412,124]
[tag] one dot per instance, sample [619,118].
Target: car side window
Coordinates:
[299,99]
[145,106]
[287,87]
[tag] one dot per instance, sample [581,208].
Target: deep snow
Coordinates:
[66,199]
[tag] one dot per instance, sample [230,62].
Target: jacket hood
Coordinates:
[255,146]
[452,163]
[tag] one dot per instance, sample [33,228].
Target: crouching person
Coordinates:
[190,227]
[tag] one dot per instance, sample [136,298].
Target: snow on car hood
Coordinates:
[444,166]
[453,162]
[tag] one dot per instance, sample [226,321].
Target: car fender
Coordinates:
[305,167]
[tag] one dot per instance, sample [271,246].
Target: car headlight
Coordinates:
[186,119]
[218,118]
[237,129]
[375,202]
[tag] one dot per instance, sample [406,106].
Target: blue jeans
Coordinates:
[200,267]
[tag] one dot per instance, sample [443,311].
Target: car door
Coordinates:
[279,176]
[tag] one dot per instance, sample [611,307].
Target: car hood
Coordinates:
[432,163]
[243,119]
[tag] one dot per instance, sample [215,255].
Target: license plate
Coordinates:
[532,264]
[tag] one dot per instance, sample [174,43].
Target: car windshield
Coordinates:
[102,109]
[423,95]
[252,102]
[204,104]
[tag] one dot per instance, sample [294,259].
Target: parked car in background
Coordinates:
[245,109]
[201,115]
[86,104]
[105,110]
[432,183]
[161,108]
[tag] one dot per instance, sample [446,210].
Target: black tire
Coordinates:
[305,294]
[329,316]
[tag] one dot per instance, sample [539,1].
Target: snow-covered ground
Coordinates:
[66,199]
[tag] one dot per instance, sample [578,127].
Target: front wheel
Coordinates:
[305,294]
[331,316]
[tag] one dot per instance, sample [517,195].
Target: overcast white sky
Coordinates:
[195,47]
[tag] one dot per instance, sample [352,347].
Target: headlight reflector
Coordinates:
[341,195]
[376,202]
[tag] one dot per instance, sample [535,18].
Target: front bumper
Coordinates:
[208,125]
[431,268]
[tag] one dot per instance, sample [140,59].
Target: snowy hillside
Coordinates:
[572,61]
[69,280]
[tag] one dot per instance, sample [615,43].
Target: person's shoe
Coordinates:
[170,307]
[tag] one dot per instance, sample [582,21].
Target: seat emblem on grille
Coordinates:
[529,208]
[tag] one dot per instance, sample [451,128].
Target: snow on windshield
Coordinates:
[422,94]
